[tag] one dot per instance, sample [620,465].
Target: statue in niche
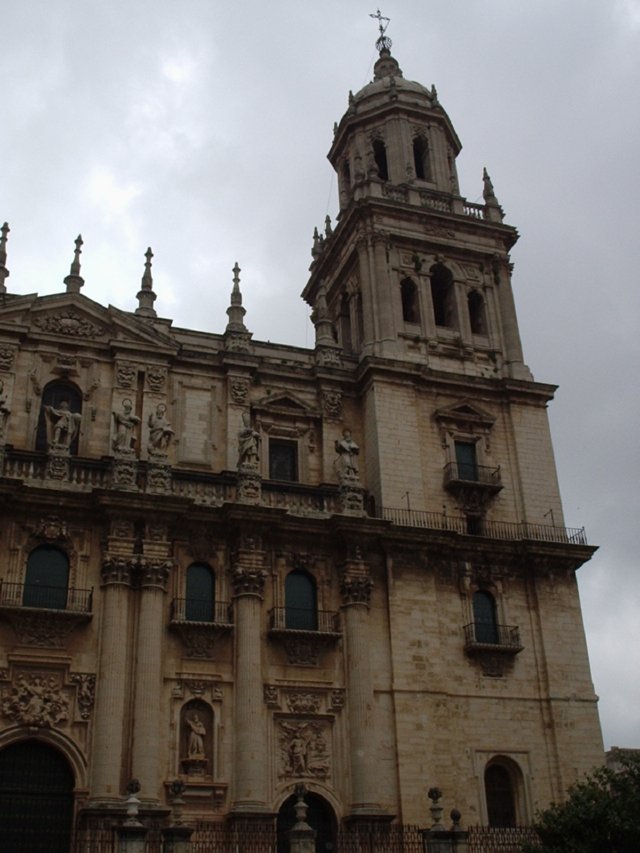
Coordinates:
[5,411]
[160,432]
[347,451]
[126,422]
[197,734]
[62,425]
[248,444]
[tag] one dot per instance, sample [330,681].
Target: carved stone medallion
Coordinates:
[36,699]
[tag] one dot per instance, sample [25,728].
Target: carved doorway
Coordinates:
[320,817]
[36,799]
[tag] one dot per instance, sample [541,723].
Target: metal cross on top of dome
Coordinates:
[383,42]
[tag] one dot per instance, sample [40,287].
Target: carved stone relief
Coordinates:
[7,355]
[332,404]
[239,391]
[301,702]
[271,696]
[85,696]
[36,699]
[304,749]
[69,323]
[126,374]
[156,377]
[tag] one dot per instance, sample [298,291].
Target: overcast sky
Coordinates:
[201,128]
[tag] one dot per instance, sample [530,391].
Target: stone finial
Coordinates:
[315,249]
[328,230]
[235,311]
[4,272]
[494,211]
[74,280]
[146,297]
[434,95]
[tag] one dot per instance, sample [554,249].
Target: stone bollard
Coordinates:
[302,838]
[176,838]
[132,834]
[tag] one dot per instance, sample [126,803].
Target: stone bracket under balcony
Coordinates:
[304,645]
[200,624]
[493,646]
[49,616]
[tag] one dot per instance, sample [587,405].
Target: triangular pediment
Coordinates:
[75,318]
[464,412]
[288,402]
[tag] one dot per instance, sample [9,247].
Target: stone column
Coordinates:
[112,683]
[154,568]
[355,587]
[250,777]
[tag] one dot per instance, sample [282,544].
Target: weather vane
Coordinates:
[383,42]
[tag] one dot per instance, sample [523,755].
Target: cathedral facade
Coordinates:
[244,566]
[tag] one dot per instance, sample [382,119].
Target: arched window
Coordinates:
[484,617]
[200,593]
[410,304]
[47,578]
[346,174]
[421,158]
[501,796]
[300,601]
[61,396]
[380,156]
[477,315]
[442,295]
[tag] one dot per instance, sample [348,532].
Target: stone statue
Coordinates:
[197,734]
[248,444]
[347,451]
[160,432]
[125,422]
[62,425]
[5,411]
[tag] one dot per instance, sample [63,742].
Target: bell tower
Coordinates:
[414,271]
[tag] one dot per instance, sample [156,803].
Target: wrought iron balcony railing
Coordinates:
[488,636]
[300,619]
[468,472]
[69,599]
[490,529]
[201,610]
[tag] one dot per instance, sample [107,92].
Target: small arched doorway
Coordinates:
[320,816]
[36,799]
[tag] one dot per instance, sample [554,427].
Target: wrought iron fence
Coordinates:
[46,597]
[201,610]
[490,634]
[499,839]
[472,473]
[390,839]
[301,619]
[210,837]
[490,529]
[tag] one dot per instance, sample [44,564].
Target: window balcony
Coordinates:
[457,474]
[490,637]
[44,615]
[36,596]
[199,623]
[219,613]
[304,633]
